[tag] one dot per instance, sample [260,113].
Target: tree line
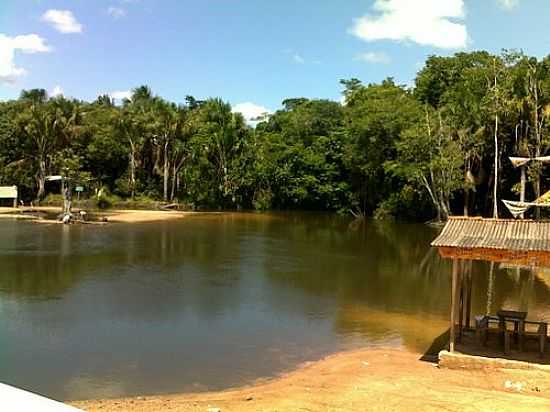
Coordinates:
[437,148]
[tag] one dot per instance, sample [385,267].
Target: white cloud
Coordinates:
[425,22]
[116,12]
[120,94]
[57,91]
[28,43]
[298,59]
[252,112]
[62,20]
[373,57]
[508,4]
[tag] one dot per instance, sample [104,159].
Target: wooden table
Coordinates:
[541,334]
[518,318]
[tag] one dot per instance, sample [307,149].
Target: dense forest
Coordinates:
[437,148]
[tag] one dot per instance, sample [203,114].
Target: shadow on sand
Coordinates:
[439,343]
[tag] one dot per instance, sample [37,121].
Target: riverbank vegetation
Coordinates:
[437,148]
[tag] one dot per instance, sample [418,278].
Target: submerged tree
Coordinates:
[431,160]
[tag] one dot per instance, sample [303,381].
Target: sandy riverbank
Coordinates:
[138,216]
[117,216]
[363,380]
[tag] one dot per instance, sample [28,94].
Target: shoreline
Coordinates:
[110,215]
[141,216]
[365,379]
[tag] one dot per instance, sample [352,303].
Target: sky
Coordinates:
[252,53]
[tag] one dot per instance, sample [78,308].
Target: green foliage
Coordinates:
[388,151]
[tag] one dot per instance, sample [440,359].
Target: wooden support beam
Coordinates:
[454,298]
[490,288]
[461,298]
[468,293]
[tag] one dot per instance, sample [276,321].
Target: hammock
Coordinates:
[522,161]
[517,208]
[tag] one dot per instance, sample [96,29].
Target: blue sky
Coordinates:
[247,51]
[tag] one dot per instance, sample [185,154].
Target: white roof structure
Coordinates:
[17,400]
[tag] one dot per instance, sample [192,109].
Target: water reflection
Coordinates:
[216,301]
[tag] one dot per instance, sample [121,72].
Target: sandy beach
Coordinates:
[115,216]
[371,379]
[138,216]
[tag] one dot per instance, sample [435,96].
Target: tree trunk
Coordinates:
[132,170]
[67,197]
[538,145]
[467,182]
[445,206]
[177,165]
[522,189]
[537,193]
[487,201]
[41,179]
[174,173]
[466,202]
[436,202]
[495,185]
[166,170]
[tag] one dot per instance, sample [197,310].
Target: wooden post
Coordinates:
[468,308]
[490,288]
[461,299]
[454,299]
[522,189]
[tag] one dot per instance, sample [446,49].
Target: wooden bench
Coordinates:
[540,333]
[491,324]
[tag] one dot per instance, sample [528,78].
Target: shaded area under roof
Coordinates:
[520,242]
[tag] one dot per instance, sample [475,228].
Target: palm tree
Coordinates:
[223,130]
[36,96]
[130,125]
[42,125]
[167,126]
[142,96]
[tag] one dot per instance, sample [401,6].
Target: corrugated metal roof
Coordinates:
[498,234]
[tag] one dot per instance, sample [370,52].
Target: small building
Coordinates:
[521,243]
[9,192]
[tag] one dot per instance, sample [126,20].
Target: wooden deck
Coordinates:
[468,345]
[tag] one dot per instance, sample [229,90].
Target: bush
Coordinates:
[105,199]
[385,210]
[139,202]
[52,199]
[263,199]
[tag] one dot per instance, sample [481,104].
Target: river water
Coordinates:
[211,302]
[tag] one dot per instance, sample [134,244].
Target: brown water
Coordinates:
[212,302]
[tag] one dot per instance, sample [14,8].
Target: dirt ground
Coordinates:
[364,380]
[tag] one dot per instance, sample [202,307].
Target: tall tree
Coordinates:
[376,115]
[42,125]
[430,159]
[167,123]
